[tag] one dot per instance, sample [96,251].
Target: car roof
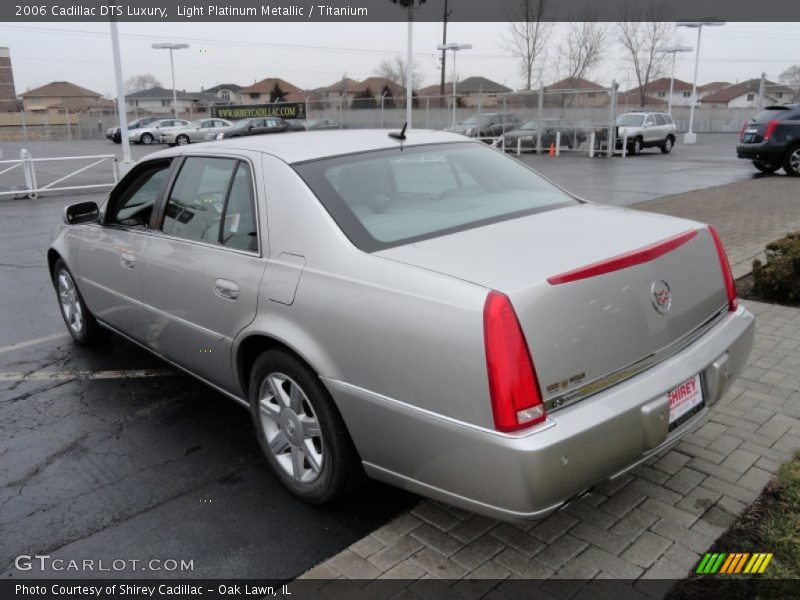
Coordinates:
[313,145]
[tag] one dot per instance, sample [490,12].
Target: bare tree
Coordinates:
[138,83]
[791,77]
[641,32]
[528,33]
[394,69]
[582,48]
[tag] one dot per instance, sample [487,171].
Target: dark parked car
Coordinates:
[254,126]
[771,139]
[114,134]
[316,124]
[486,125]
[295,125]
[526,134]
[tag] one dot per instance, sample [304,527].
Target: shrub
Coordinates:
[778,279]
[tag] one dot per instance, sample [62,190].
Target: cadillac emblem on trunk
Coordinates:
[661,296]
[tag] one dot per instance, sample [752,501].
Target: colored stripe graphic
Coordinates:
[734,562]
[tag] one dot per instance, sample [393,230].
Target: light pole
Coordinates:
[455,48]
[121,111]
[672,50]
[690,137]
[409,5]
[169,46]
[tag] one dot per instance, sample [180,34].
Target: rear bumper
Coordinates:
[763,151]
[527,476]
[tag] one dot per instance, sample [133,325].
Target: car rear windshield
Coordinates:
[388,198]
[773,112]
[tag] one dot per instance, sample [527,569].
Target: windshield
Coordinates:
[393,197]
[530,125]
[630,120]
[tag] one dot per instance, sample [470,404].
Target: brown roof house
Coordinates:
[63,96]
[346,90]
[267,90]
[709,88]
[473,92]
[659,88]
[575,92]
[745,95]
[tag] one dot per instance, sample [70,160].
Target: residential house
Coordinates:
[745,95]
[347,89]
[659,88]
[260,91]
[632,100]
[226,92]
[473,92]
[63,96]
[575,92]
[709,88]
[159,101]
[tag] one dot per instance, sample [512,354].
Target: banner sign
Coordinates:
[284,110]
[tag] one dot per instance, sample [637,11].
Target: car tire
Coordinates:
[147,139]
[181,140]
[791,164]
[765,167]
[300,430]
[635,146]
[668,144]
[79,320]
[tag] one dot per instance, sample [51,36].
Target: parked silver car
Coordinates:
[152,133]
[645,129]
[419,308]
[196,131]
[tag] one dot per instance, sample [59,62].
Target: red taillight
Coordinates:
[771,127]
[516,401]
[727,274]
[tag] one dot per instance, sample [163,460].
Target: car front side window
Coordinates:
[131,202]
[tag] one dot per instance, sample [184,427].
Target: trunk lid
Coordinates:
[584,335]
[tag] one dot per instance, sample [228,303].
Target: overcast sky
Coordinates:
[312,55]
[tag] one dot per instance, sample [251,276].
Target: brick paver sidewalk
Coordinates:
[657,521]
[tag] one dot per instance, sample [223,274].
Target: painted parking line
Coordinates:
[33,342]
[70,375]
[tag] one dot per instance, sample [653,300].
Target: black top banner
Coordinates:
[284,110]
[397,10]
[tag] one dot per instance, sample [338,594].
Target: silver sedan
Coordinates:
[196,131]
[417,308]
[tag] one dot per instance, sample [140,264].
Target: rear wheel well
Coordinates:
[253,347]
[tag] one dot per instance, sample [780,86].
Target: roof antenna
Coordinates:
[401,135]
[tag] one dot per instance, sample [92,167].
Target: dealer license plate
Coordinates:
[684,401]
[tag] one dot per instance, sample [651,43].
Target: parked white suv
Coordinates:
[645,129]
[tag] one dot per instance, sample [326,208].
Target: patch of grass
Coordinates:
[770,524]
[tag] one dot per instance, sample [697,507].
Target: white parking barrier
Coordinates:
[592,140]
[624,145]
[558,143]
[32,188]
[519,146]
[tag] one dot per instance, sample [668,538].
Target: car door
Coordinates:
[650,132]
[109,253]
[203,268]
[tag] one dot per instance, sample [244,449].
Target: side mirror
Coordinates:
[83,212]
[249,127]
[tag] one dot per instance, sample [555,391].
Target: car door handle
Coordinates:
[127,260]
[226,289]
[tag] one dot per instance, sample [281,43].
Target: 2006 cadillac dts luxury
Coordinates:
[422,308]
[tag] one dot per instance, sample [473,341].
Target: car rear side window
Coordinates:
[392,197]
[195,206]
[660,120]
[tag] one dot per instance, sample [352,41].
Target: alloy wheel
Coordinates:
[794,160]
[70,302]
[182,140]
[291,428]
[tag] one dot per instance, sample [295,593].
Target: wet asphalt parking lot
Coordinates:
[106,466]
